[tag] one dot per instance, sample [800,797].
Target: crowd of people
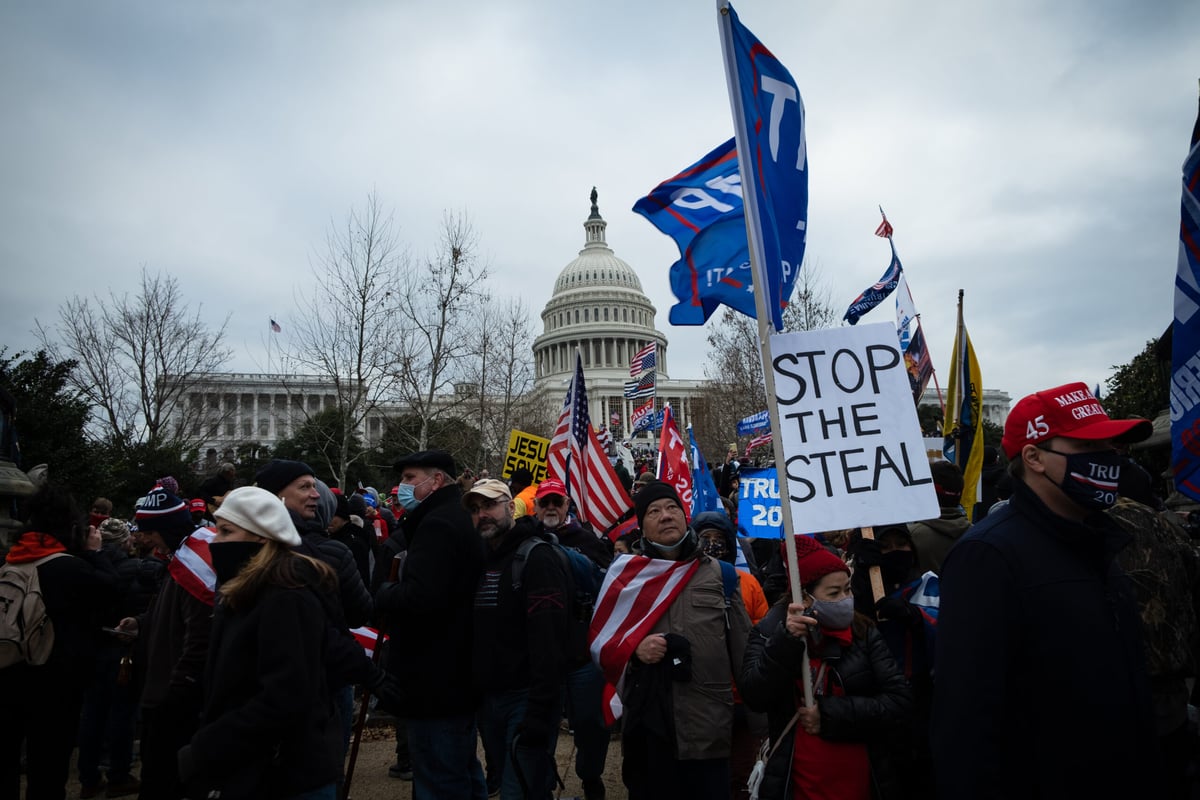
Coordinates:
[216,633]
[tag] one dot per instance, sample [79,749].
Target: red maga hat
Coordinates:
[1072,411]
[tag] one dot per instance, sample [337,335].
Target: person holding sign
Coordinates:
[1041,686]
[830,750]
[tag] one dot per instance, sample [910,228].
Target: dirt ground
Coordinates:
[378,752]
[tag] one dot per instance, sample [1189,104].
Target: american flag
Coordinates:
[643,387]
[614,418]
[643,360]
[885,227]
[758,441]
[604,437]
[368,638]
[577,459]
[192,568]
[635,594]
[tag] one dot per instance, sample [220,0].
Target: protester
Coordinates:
[40,704]
[172,645]
[523,489]
[677,687]
[1164,571]
[269,724]
[1041,679]
[933,538]
[108,720]
[833,748]
[585,683]
[909,636]
[428,611]
[520,663]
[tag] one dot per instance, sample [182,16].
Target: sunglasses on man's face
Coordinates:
[552,500]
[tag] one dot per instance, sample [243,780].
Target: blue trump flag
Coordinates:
[704,491]
[768,119]
[1185,333]
[701,209]
[877,293]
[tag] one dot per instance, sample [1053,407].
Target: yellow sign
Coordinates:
[528,451]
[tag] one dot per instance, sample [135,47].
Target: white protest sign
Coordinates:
[852,447]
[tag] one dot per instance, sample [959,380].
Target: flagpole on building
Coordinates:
[761,293]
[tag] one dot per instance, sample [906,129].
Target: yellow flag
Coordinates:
[963,426]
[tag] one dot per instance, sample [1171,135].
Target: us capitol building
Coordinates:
[598,308]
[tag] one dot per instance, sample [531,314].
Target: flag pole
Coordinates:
[959,348]
[913,303]
[765,323]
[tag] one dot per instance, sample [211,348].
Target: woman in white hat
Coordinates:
[269,728]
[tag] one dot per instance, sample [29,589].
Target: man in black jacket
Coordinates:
[428,613]
[520,660]
[1041,686]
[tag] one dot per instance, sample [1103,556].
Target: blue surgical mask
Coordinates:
[405,494]
[836,615]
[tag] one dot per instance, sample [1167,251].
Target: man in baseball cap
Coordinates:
[1034,591]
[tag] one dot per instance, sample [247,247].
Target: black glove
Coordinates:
[679,657]
[386,690]
[895,608]
[867,554]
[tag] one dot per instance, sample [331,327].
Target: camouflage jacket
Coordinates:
[1164,568]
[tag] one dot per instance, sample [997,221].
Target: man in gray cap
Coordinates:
[428,613]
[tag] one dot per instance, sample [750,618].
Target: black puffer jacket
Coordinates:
[876,703]
[355,600]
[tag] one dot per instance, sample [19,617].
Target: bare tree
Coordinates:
[136,358]
[437,304]
[348,321]
[501,372]
[735,385]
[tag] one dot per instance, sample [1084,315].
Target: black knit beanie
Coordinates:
[276,475]
[654,490]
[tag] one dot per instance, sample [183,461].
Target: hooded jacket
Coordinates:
[934,537]
[355,600]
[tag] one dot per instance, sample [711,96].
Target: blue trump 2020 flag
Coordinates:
[875,294]
[1185,333]
[701,209]
[768,119]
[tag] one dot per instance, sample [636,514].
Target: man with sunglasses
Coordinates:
[519,661]
[1041,685]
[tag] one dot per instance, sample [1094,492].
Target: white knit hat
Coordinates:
[261,512]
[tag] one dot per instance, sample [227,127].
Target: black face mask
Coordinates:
[228,558]
[896,565]
[1090,479]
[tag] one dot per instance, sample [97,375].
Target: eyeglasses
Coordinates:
[552,500]
[485,505]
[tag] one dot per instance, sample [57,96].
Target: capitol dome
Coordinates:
[598,306]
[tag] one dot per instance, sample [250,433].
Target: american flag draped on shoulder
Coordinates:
[192,566]
[577,459]
[924,594]
[636,592]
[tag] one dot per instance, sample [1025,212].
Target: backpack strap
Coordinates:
[521,557]
[729,581]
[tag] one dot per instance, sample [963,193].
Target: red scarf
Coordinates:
[844,636]
[32,546]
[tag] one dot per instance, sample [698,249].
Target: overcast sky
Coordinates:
[1026,152]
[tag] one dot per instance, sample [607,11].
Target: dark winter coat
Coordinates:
[1041,686]
[875,706]
[571,534]
[355,601]
[269,727]
[429,610]
[173,645]
[520,636]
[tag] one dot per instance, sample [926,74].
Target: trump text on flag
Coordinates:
[528,451]
[852,445]
[759,512]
